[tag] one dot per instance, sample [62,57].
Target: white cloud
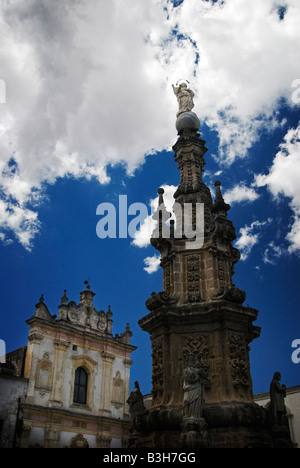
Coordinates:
[152,264]
[142,237]
[283,179]
[247,62]
[240,193]
[22,222]
[272,253]
[80,94]
[4,239]
[249,236]
[89,83]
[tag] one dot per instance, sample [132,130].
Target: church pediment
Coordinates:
[85,314]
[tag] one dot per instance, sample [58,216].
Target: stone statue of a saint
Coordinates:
[135,401]
[277,395]
[185,98]
[193,389]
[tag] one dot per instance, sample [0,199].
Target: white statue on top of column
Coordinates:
[184,97]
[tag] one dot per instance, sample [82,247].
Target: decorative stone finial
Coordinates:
[87,295]
[160,192]
[220,208]
[64,298]
[42,310]
[161,215]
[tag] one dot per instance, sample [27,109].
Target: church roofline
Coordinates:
[82,331]
[289,391]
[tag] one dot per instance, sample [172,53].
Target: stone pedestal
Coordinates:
[194,433]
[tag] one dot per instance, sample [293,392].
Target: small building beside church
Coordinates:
[69,387]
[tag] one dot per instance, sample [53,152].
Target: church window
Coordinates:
[80,387]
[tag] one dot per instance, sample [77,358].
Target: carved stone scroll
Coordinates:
[196,346]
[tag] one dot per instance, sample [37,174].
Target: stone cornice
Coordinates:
[35,337]
[209,312]
[74,331]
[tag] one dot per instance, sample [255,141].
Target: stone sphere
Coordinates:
[187,120]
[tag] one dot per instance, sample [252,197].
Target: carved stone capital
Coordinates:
[127,362]
[61,344]
[107,357]
[35,337]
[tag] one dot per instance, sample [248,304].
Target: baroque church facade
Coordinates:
[69,386]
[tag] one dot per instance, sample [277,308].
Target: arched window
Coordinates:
[80,386]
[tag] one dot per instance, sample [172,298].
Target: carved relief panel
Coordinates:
[167,279]
[239,361]
[193,278]
[157,369]
[197,347]
[79,441]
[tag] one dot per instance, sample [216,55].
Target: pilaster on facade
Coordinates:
[106,388]
[60,350]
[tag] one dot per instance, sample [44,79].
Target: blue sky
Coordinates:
[89,114]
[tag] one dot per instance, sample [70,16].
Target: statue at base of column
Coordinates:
[277,406]
[193,389]
[136,406]
[194,427]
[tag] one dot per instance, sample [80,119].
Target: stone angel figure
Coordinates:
[184,97]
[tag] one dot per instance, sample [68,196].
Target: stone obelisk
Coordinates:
[199,328]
